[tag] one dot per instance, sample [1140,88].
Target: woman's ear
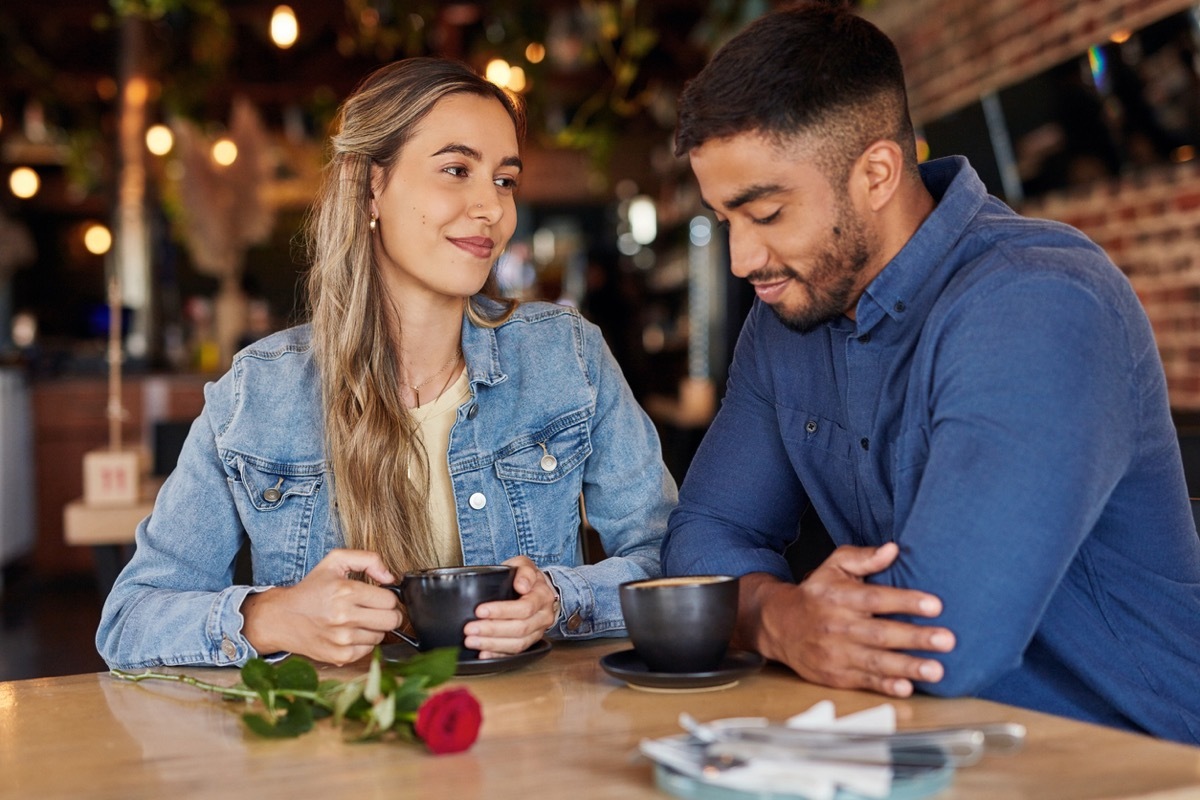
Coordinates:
[376,187]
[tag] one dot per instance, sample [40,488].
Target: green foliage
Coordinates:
[382,703]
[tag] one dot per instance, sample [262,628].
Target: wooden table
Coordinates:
[560,727]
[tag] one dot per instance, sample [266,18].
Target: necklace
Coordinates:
[416,388]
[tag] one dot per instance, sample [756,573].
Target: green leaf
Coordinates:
[297,720]
[372,690]
[385,712]
[296,674]
[410,694]
[437,666]
[261,726]
[345,698]
[258,675]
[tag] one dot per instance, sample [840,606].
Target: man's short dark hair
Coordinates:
[814,68]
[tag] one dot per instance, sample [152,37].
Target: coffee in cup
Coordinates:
[441,601]
[681,624]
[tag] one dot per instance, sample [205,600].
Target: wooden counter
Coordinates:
[560,727]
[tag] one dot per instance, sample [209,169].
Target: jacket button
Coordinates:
[472,411]
[574,621]
[271,495]
[548,463]
[477,501]
[228,648]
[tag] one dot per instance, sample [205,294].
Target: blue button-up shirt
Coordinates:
[998,408]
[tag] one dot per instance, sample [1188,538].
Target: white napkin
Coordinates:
[799,777]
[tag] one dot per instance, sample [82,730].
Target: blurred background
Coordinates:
[168,149]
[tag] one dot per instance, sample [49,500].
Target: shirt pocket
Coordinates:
[276,504]
[542,478]
[798,426]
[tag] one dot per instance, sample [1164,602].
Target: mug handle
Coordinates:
[410,639]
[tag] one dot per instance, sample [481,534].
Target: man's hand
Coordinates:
[829,629]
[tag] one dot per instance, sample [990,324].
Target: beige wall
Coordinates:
[1149,222]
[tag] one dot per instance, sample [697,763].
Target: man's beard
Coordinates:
[832,281]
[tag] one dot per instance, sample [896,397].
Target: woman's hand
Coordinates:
[328,615]
[506,627]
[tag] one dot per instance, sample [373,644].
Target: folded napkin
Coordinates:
[787,775]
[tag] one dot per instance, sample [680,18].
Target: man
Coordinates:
[971,401]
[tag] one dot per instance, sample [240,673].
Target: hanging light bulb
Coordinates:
[284,28]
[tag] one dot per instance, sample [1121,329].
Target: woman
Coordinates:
[416,421]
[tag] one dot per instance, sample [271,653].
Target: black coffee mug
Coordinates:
[681,624]
[441,601]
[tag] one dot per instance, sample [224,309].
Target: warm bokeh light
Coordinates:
[159,140]
[224,152]
[1,122]
[1183,153]
[106,88]
[97,239]
[516,79]
[284,28]
[643,219]
[1120,37]
[498,71]
[137,90]
[535,52]
[922,149]
[24,182]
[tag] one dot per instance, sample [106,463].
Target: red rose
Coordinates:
[448,722]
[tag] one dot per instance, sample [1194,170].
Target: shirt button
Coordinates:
[864,339]
[574,621]
[472,411]
[228,648]
[864,443]
[899,305]
[811,426]
[477,501]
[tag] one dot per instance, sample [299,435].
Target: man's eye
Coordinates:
[767,220]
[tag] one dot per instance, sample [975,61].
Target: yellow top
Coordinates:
[434,421]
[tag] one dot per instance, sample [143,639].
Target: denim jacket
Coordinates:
[254,466]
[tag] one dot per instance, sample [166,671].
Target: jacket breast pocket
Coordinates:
[276,502]
[542,476]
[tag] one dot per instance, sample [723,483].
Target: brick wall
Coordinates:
[1149,222]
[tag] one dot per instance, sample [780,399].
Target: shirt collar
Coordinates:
[903,288]
[480,349]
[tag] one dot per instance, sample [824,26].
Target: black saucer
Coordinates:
[629,667]
[478,666]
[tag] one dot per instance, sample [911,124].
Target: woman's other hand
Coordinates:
[506,627]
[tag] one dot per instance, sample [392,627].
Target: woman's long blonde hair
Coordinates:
[380,473]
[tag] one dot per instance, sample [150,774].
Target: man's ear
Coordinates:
[877,173]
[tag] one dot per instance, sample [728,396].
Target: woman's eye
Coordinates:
[506,183]
[458,172]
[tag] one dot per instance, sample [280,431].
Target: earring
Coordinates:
[373,223]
